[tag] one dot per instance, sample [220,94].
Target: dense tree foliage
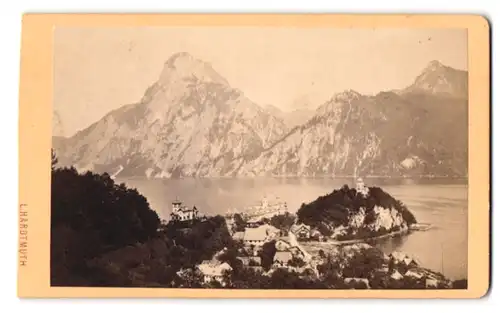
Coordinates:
[203,238]
[248,278]
[330,271]
[239,223]
[334,209]
[283,222]
[267,254]
[296,262]
[91,215]
[171,258]
[364,264]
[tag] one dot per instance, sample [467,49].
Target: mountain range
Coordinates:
[192,123]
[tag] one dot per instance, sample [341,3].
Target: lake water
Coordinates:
[441,202]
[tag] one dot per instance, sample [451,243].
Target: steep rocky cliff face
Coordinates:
[412,134]
[191,122]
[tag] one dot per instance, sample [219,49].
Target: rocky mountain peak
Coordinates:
[347,95]
[191,123]
[433,65]
[184,66]
[337,102]
[437,78]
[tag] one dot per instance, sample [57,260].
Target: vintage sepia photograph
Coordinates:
[260,158]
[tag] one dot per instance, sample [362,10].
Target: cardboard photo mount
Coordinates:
[35,111]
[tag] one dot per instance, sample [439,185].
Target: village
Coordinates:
[295,248]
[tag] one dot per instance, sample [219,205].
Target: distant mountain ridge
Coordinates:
[291,118]
[191,122]
[439,79]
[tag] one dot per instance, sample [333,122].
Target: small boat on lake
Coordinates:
[420,226]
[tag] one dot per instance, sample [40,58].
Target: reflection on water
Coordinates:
[390,244]
[441,202]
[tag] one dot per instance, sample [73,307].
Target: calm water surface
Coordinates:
[443,203]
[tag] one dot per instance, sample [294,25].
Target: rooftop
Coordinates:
[208,269]
[186,209]
[283,256]
[239,235]
[402,257]
[297,227]
[255,234]
[358,280]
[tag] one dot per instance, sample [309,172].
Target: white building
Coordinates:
[396,275]
[361,188]
[301,231]
[266,209]
[214,272]
[400,257]
[281,258]
[364,281]
[282,245]
[259,235]
[183,213]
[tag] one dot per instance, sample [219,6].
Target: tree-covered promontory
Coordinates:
[338,208]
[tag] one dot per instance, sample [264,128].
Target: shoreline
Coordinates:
[363,240]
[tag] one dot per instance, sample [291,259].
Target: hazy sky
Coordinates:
[100,69]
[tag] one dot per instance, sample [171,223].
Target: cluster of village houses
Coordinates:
[288,248]
[214,270]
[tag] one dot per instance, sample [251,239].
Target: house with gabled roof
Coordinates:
[302,231]
[299,252]
[214,271]
[282,245]
[402,258]
[354,280]
[281,258]
[258,236]
[255,236]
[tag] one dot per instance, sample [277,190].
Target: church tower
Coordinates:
[265,203]
[176,206]
[360,187]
